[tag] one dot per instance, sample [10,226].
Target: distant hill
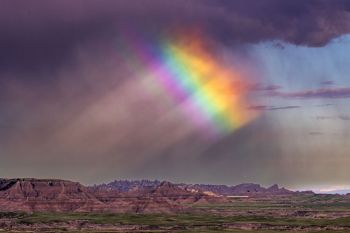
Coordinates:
[336,191]
[246,189]
[127,186]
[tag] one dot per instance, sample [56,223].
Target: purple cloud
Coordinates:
[325,118]
[260,87]
[344,118]
[315,133]
[283,107]
[331,93]
[324,105]
[258,107]
[327,82]
[272,108]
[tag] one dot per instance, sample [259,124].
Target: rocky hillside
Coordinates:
[34,195]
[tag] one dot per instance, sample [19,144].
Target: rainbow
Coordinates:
[211,93]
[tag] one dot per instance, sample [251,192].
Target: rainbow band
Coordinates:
[198,79]
[193,76]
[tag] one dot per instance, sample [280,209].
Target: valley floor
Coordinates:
[303,213]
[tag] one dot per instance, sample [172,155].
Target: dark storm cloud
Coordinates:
[41,35]
[311,23]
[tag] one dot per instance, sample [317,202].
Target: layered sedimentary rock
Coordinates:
[31,195]
[165,197]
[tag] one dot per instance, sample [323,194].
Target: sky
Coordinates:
[208,91]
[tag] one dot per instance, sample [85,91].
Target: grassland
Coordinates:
[288,214]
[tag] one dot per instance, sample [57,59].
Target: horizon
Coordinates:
[214,91]
[339,189]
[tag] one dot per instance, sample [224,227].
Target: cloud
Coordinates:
[344,118]
[258,107]
[278,45]
[325,118]
[324,105]
[330,93]
[261,87]
[273,108]
[316,133]
[42,35]
[283,107]
[327,83]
